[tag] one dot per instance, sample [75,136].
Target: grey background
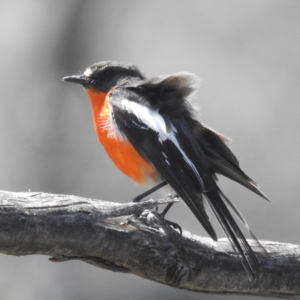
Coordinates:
[247,54]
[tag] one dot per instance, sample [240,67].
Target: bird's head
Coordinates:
[103,76]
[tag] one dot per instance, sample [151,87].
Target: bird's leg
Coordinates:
[152,190]
[167,208]
[164,212]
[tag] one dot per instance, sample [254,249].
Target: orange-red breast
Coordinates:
[150,131]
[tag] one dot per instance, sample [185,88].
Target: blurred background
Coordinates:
[248,56]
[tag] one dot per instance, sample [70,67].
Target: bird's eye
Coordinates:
[108,74]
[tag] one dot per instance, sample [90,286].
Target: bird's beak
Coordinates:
[80,79]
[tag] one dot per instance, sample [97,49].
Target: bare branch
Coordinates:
[130,238]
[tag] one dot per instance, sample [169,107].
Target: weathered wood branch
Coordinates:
[130,238]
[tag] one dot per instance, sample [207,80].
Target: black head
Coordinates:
[103,76]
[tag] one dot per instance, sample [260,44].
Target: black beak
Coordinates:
[80,79]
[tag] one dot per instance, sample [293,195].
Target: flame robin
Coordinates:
[150,131]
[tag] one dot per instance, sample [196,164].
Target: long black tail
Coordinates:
[233,232]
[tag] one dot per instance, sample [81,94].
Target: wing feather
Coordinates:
[222,159]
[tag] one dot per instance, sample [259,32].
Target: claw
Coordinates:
[174,225]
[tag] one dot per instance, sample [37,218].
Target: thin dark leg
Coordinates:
[167,208]
[164,212]
[152,190]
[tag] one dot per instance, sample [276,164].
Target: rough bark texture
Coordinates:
[130,238]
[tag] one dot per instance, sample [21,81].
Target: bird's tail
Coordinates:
[216,200]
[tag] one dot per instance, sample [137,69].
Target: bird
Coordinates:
[150,130]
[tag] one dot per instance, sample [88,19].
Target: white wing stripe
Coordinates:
[155,121]
[148,116]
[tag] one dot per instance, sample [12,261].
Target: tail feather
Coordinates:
[241,218]
[217,202]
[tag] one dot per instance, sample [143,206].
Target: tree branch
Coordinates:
[130,238]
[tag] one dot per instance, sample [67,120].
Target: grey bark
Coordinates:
[130,238]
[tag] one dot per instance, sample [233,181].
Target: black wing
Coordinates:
[170,94]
